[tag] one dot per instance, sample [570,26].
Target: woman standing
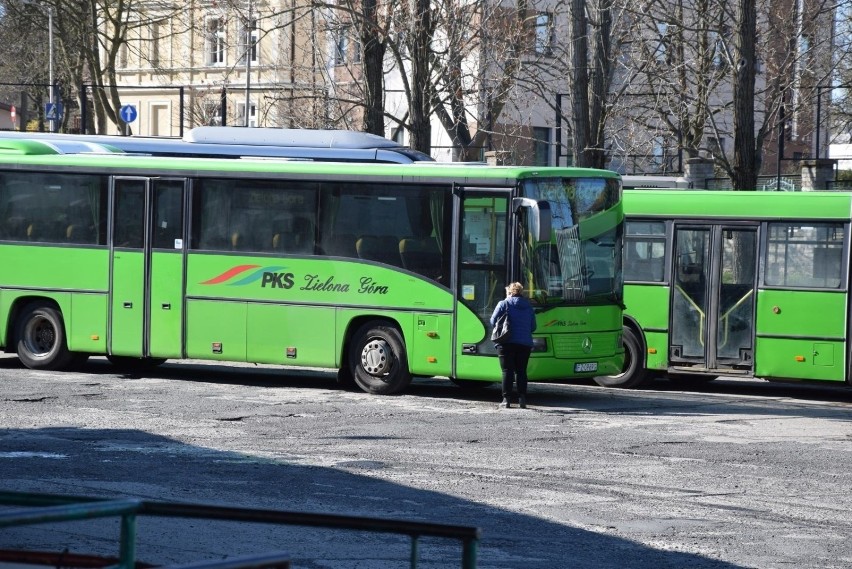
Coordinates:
[514,353]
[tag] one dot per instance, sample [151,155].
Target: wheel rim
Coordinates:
[376,357]
[39,336]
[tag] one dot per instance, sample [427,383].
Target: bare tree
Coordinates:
[717,71]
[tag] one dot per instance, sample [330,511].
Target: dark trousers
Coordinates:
[513,362]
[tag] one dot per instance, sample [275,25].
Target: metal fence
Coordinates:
[46,508]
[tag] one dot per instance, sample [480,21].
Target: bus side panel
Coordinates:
[41,271]
[801,335]
[649,306]
[430,345]
[470,330]
[272,329]
[128,302]
[166,305]
[56,268]
[86,324]
[216,330]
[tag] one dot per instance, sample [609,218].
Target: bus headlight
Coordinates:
[539,345]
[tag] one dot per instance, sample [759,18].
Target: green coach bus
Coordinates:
[750,284]
[383,272]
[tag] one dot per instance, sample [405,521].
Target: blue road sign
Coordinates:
[53,111]
[128,113]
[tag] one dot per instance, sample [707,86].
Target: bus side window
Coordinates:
[644,251]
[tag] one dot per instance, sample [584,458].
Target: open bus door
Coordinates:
[147,267]
[713,298]
[482,276]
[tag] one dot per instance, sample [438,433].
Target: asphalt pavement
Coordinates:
[729,474]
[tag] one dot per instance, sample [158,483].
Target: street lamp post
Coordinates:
[248,63]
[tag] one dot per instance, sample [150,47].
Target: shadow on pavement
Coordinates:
[119,463]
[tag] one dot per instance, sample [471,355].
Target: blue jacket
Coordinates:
[521,319]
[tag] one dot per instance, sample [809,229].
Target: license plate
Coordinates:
[586,367]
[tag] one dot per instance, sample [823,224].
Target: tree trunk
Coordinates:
[374,55]
[421,132]
[580,81]
[745,153]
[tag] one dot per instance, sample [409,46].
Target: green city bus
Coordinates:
[380,271]
[749,284]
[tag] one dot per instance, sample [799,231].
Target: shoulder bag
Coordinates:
[500,333]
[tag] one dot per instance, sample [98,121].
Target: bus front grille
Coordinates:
[576,346]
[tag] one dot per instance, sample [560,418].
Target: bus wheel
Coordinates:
[472,384]
[634,373]
[377,359]
[130,363]
[40,334]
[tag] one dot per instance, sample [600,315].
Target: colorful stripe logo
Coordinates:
[241,275]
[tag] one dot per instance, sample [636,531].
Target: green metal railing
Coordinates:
[46,508]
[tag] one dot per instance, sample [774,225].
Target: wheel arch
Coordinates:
[631,323]
[355,324]
[19,305]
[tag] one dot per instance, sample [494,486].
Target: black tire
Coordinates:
[634,373]
[472,384]
[377,359]
[130,363]
[40,337]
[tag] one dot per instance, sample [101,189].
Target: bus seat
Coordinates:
[77,233]
[16,228]
[299,240]
[340,245]
[421,256]
[380,248]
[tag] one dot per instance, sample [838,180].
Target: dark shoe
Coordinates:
[504,404]
[522,401]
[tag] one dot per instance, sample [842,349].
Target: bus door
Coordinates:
[713,299]
[482,275]
[147,268]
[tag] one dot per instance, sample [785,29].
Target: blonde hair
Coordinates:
[515,289]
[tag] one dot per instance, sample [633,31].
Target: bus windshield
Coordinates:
[580,262]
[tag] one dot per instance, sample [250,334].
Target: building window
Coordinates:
[541,146]
[215,41]
[248,33]
[341,46]
[544,33]
[356,54]
[155,55]
[241,115]
[663,51]
[122,55]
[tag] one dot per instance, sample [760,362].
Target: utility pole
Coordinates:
[52,95]
[249,46]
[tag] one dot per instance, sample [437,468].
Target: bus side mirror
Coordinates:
[538,216]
